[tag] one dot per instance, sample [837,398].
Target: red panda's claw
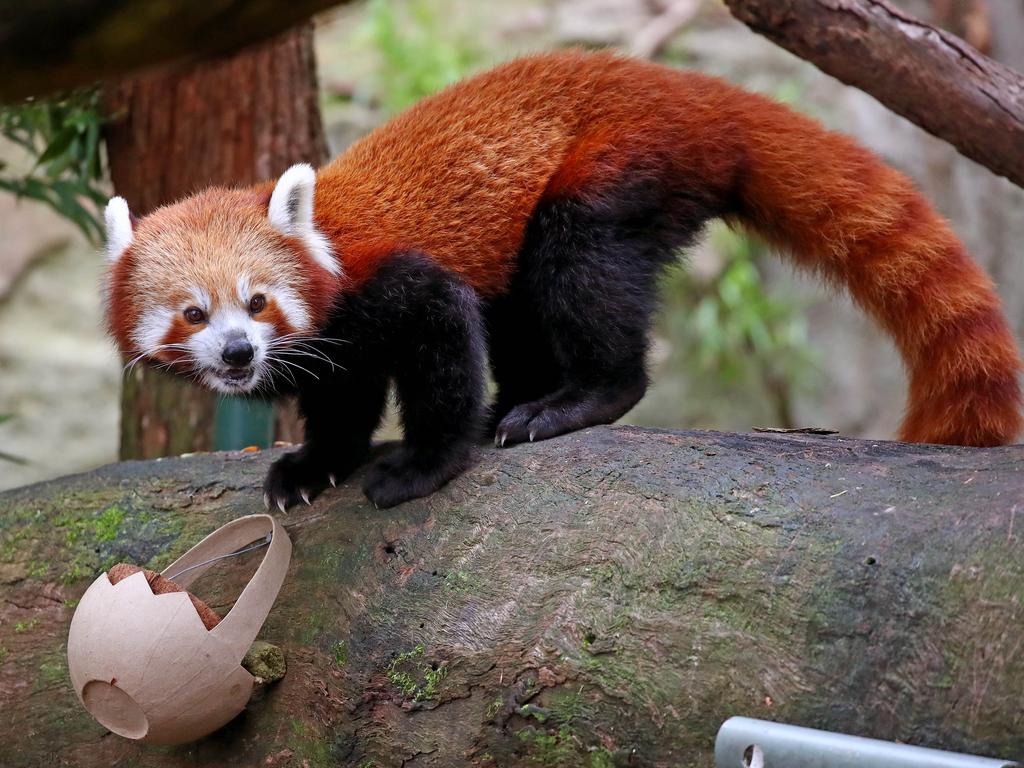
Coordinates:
[305,496]
[266,501]
[332,480]
[280,504]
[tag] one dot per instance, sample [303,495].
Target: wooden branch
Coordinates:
[604,598]
[49,45]
[927,75]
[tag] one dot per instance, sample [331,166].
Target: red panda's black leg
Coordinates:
[341,409]
[522,359]
[417,325]
[590,267]
[431,341]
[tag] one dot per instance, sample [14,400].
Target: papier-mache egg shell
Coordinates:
[175,681]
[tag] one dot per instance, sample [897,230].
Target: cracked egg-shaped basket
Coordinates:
[145,665]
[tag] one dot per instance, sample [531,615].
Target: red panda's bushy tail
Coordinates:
[842,212]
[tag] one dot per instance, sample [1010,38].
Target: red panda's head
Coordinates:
[220,284]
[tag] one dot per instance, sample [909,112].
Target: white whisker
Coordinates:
[284,372]
[316,354]
[130,365]
[296,365]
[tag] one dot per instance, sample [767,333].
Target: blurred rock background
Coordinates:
[741,340]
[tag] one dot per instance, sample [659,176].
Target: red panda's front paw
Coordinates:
[406,474]
[298,476]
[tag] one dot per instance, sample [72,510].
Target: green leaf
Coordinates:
[58,144]
[91,165]
[62,134]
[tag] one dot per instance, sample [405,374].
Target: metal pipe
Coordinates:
[747,743]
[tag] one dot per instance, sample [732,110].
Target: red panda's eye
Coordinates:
[195,315]
[257,303]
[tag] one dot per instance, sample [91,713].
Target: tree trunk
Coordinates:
[605,598]
[232,121]
[931,77]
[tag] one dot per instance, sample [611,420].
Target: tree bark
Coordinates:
[929,76]
[50,45]
[233,121]
[605,598]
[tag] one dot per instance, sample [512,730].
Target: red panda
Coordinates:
[521,218]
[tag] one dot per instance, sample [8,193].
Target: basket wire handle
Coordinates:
[242,623]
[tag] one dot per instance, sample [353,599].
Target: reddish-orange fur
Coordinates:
[459,175]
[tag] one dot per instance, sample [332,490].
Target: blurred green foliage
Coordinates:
[739,325]
[420,50]
[62,137]
[730,333]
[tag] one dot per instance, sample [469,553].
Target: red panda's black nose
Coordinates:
[237,352]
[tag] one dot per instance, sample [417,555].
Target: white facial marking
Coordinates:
[119,227]
[291,213]
[245,292]
[200,298]
[152,329]
[293,307]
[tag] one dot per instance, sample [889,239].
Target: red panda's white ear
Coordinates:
[291,213]
[119,227]
[291,204]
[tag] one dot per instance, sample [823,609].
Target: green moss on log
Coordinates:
[265,662]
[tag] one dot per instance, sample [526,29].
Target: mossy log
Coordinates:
[605,598]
